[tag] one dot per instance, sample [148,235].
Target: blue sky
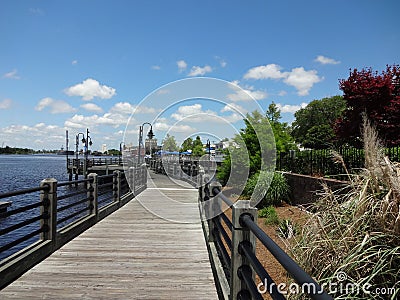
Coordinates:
[78,64]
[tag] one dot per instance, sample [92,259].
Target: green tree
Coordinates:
[283,139]
[169,143]
[313,127]
[187,145]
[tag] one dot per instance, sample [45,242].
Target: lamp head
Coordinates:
[150,135]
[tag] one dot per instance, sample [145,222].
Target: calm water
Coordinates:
[26,171]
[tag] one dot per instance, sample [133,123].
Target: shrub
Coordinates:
[272,189]
[357,233]
[270,215]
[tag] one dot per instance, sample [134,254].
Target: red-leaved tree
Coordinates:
[376,95]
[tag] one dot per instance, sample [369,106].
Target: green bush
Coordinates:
[270,215]
[271,191]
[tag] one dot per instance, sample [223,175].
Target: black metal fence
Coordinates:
[58,212]
[324,163]
[234,242]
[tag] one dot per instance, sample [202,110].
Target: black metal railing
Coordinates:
[61,212]
[234,242]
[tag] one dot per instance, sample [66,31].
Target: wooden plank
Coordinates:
[131,254]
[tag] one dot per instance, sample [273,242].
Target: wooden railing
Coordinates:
[59,217]
[231,242]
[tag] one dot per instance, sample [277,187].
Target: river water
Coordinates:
[26,171]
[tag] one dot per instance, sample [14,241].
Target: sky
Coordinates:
[112,66]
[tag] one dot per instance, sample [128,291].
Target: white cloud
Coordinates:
[282,93]
[36,11]
[290,108]
[182,65]
[299,78]
[302,80]
[5,104]
[247,93]
[12,75]
[89,89]
[199,71]
[56,106]
[156,67]
[195,114]
[222,62]
[326,60]
[126,108]
[163,92]
[108,119]
[163,126]
[233,107]
[36,136]
[92,107]
[74,62]
[271,71]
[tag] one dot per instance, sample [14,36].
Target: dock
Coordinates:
[131,254]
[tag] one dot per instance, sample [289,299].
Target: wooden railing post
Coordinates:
[117,185]
[239,264]
[92,195]
[49,209]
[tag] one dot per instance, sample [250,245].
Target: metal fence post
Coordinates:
[213,209]
[49,209]
[238,262]
[132,179]
[117,185]
[92,194]
[144,176]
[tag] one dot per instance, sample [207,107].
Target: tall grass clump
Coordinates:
[356,231]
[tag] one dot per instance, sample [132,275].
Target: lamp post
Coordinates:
[87,142]
[150,135]
[208,145]
[120,152]
[77,150]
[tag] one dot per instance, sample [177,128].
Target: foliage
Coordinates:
[283,140]
[187,145]
[287,229]
[376,95]
[169,143]
[313,125]
[270,215]
[269,192]
[277,192]
[10,150]
[357,232]
[113,152]
[255,147]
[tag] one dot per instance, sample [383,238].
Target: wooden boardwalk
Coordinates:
[131,254]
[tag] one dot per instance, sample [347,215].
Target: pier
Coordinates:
[163,237]
[131,254]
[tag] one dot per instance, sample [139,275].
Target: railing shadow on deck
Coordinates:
[60,217]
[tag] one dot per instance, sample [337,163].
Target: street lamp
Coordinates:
[150,135]
[120,151]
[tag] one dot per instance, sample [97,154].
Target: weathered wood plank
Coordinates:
[131,254]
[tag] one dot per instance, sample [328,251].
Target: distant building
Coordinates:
[150,145]
[104,148]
